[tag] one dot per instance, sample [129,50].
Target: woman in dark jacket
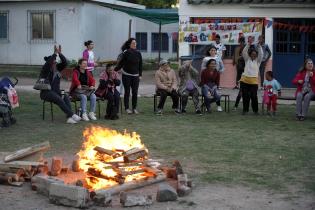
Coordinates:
[51,74]
[131,64]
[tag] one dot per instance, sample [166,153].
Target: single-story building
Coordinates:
[30,29]
[288,26]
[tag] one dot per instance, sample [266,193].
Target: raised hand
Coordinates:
[55,49]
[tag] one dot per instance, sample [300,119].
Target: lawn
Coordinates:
[19,71]
[257,151]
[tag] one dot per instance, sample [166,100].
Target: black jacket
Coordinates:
[131,62]
[48,74]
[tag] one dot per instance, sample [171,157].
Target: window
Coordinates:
[42,25]
[155,42]
[142,41]
[4,25]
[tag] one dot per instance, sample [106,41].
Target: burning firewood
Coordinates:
[107,152]
[118,178]
[134,154]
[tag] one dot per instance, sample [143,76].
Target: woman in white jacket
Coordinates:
[249,79]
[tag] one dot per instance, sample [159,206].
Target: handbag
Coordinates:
[42,85]
[85,90]
[100,92]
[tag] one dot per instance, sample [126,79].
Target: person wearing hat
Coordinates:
[51,73]
[166,85]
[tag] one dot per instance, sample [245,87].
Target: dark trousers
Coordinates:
[112,103]
[238,98]
[130,82]
[249,93]
[262,72]
[163,95]
[63,102]
[239,72]
[195,97]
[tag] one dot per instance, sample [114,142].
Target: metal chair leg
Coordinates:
[43,110]
[99,109]
[51,111]
[154,106]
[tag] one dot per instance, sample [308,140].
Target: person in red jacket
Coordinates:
[305,92]
[209,85]
[82,87]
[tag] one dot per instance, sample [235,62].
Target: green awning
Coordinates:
[163,16]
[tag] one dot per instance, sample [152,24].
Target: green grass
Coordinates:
[19,71]
[256,151]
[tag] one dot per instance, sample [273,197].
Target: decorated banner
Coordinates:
[229,32]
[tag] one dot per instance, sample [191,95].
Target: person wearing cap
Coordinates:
[188,85]
[51,73]
[166,85]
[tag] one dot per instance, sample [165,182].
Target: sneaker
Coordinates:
[128,111]
[135,111]
[302,118]
[92,116]
[219,109]
[85,117]
[158,112]
[183,110]
[70,120]
[76,118]
[177,111]
[219,88]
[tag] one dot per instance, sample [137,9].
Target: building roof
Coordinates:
[250,1]
[113,3]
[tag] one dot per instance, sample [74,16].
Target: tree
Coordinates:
[155,3]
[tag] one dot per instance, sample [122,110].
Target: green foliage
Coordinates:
[72,63]
[227,148]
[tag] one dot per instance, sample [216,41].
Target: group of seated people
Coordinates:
[82,88]
[189,85]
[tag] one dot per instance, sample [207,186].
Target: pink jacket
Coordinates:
[86,56]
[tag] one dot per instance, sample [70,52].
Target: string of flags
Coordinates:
[267,23]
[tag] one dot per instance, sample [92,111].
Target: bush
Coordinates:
[72,63]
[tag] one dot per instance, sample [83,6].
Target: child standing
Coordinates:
[272,89]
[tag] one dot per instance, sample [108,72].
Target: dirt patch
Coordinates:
[203,197]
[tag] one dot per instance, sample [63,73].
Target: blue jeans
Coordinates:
[83,101]
[215,97]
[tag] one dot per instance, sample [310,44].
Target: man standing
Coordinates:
[266,56]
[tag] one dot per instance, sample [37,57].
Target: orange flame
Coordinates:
[110,140]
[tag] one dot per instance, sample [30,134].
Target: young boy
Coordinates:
[272,89]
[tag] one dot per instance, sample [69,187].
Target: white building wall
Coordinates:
[20,50]
[141,25]
[106,27]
